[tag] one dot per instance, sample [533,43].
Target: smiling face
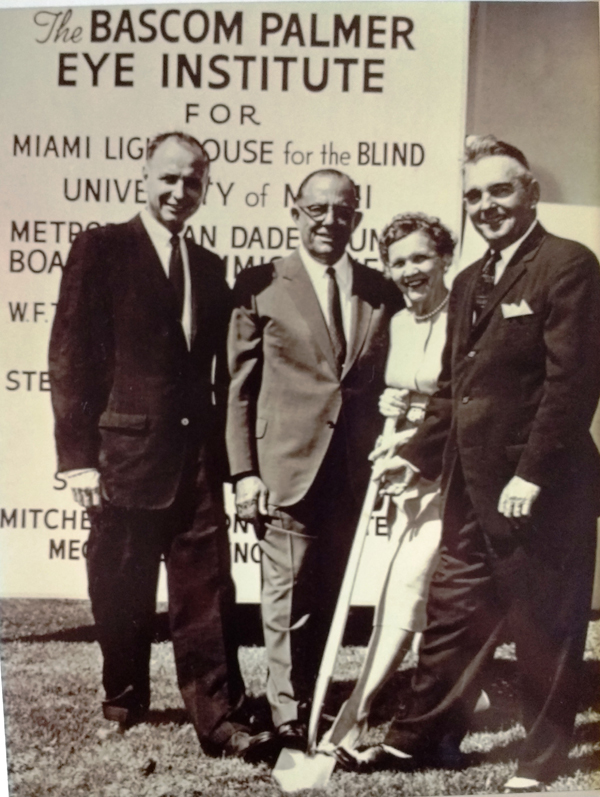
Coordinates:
[418,270]
[326,216]
[176,179]
[500,203]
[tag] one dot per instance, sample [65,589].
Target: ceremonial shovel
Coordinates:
[294,769]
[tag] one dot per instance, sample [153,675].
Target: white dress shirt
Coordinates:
[161,240]
[320,282]
[506,254]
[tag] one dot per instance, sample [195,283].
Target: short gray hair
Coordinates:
[184,138]
[479,147]
[407,223]
[327,173]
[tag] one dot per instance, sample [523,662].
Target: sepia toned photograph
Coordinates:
[300,475]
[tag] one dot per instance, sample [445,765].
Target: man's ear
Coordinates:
[145,172]
[295,213]
[534,193]
[357,219]
[205,182]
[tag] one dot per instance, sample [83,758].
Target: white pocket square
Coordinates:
[514,310]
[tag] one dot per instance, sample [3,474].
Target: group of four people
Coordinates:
[504,548]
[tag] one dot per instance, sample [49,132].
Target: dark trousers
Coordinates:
[534,590]
[304,554]
[124,552]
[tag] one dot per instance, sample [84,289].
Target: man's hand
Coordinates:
[387,445]
[251,497]
[85,486]
[387,464]
[393,402]
[396,474]
[517,498]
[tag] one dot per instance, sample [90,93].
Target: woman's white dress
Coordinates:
[415,526]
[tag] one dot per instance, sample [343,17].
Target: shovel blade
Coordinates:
[296,770]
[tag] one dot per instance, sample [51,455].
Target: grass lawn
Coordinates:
[59,744]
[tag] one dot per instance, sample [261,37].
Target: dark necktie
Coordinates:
[485,283]
[336,326]
[176,273]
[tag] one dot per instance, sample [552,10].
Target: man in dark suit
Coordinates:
[509,432]
[139,380]
[307,346]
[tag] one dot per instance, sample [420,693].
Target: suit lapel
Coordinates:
[197,292]
[298,283]
[508,279]
[147,256]
[151,277]
[514,270]
[303,294]
[362,312]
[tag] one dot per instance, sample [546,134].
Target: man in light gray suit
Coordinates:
[307,346]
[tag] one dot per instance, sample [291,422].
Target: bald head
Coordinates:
[333,173]
[325,214]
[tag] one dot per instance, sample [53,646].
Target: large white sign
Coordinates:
[274,91]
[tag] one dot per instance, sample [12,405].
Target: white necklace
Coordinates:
[427,316]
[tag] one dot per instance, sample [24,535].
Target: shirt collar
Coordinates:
[159,234]
[507,253]
[343,270]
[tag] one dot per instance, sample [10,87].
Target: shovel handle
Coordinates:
[338,624]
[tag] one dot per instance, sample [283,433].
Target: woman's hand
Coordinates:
[393,402]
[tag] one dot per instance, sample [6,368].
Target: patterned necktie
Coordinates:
[485,283]
[176,273]
[336,326]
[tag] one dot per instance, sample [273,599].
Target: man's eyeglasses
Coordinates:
[341,213]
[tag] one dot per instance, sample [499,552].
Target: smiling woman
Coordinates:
[418,271]
[416,251]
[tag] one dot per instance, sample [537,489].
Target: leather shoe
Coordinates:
[125,717]
[251,748]
[380,756]
[517,785]
[447,755]
[293,735]
[346,759]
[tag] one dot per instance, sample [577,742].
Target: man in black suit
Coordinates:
[307,343]
[139,380]
[509,432]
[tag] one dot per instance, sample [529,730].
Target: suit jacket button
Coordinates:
[465,399]
[472,353]
[331,424]
[185,421]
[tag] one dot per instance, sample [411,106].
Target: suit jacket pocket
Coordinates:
[524,329]
[513,453]
[527,319]
[123,422]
